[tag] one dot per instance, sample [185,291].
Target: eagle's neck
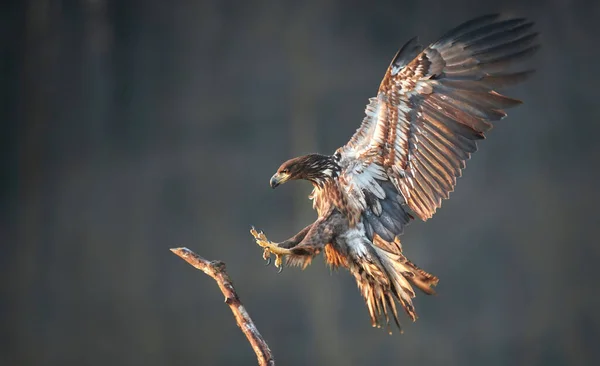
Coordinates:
[321,169]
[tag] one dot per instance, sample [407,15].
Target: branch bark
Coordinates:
[216,270]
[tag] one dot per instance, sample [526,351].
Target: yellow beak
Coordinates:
[278,179]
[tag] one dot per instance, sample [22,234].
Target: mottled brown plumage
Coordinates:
[433,104]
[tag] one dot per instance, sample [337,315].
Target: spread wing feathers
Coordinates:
[432,106]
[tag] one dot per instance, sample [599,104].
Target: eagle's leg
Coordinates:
[316,237]
[279,249]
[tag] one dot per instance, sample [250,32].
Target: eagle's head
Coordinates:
[313,167]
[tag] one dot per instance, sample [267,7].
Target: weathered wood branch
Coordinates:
[216,270]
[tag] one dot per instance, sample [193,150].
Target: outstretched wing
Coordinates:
[432,106]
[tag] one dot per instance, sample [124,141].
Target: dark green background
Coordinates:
[130,127]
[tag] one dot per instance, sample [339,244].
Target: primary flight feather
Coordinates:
[432,105]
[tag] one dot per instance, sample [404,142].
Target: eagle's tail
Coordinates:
[381,287]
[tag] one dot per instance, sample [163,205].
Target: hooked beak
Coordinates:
[278,179]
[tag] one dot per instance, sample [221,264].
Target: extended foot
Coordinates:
[270,248]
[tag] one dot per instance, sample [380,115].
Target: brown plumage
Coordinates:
[433,104]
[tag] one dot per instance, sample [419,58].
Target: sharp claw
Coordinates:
[278,261]
[269,248]
[266,254]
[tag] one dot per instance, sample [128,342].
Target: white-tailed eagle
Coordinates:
[432,106]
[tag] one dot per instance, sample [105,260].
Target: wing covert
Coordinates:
[432,107]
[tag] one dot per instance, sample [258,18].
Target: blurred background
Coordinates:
[130,127]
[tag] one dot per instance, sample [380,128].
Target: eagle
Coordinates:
[433,105]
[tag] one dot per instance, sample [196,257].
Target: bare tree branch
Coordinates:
[216,270]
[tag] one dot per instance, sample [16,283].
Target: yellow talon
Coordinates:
[278,260]
[269,248]
[267,254]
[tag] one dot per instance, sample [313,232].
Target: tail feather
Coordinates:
[388,278]
[404,269]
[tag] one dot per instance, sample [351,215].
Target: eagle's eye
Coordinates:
[285,171]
